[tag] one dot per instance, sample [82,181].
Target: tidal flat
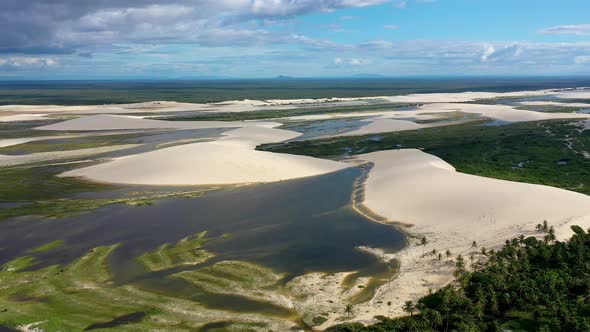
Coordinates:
[239,250]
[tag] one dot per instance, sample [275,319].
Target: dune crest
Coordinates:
[229,160]
[452,210]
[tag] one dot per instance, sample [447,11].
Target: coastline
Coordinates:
[420,271]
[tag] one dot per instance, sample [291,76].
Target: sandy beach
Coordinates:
[452,210]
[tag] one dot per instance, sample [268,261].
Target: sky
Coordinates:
[170,39]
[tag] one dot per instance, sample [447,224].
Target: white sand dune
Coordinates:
[499,112]
[452,210]
[460,97]
[553,103]
[156,107]
[580,93]
[22,117]
[120,122]
[230,160]
[332,116]
[394,121]
[384,125]
[13,160]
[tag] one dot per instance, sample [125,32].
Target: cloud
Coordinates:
[490,53]
[582,59]
[578,30]
[26,63]
[400,4]
[340,62]
[391,27]
[65,26]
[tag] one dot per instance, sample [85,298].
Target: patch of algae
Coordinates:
[185,252]
[80,296]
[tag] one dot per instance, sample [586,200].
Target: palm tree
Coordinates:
[474,244]
[388,308]
[439,257]
[436,319]
[409,307]
[349,310]
[460,263]
[551,233]
[545,226]
[449,254]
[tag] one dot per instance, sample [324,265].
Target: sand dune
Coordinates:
[579,93]
[385,125]
[553,103]
[499,112]
[453,209]
[460,97]
[120,122]
[145,107]
[230,160]
[22,117]
[13,160]
[17,141]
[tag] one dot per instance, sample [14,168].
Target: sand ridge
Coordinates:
[229,160]
[125,122]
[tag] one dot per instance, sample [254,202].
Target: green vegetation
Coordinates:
[269,114]
[528,285]
[551,109]
[81,296]
[549,152]
[48,246]
[39,191]
[185,252]
[66,144]
[65,207]
[26,184]
[237,278]
[18,264]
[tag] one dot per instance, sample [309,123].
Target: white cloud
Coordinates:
[488,50]
[400,4]
[66,26]
[391,27]
[25,63]
[578,30]
[582,59]
[349,62]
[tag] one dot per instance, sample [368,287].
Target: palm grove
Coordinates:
[530,284]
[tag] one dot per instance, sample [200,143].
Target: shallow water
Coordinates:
[293,227]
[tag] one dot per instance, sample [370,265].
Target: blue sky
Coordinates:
[87,39]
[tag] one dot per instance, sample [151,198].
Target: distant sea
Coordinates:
[203,91]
